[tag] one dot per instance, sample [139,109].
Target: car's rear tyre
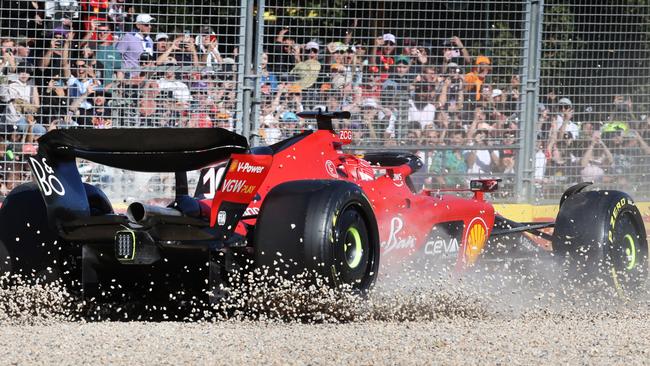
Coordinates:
[29,246]
[32,247]
[322,227]
[602,235]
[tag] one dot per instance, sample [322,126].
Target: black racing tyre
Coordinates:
[322,226]
[33,248]
[29,246]
[602,235]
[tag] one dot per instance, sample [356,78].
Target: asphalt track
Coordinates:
[500,320]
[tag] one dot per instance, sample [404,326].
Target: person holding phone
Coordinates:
[453,51]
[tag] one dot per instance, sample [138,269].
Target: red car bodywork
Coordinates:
[408,222]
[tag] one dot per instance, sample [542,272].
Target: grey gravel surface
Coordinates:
[524,340]
[501,320]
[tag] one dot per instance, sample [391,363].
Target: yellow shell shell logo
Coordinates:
[476,237]
[233,165]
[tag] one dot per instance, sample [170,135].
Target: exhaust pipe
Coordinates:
[139,212]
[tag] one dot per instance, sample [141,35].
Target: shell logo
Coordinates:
[233,166]
[475,240]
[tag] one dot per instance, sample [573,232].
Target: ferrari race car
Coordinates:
[302,204]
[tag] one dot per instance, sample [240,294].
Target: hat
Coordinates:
[289,117]
[294,88]
[447,43]
[312,46]
[23,67]
[144,19]
[389,37]
[565,101]
[23,41]
[160,36]
[369,103]
[146,57]
[61,31]
[496,93]
[208,30]
[483,60]
[337,66]
[401,59]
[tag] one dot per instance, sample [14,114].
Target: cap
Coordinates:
[401,59]
[144,19]
[294,88]
[565,101]
[389,37]
[496,93]
[369,103]
[60,31]
[146,57]
[23,41]
[160,36]
[289,117]
[312,46]
[447,43]
[208,30]
[483,60]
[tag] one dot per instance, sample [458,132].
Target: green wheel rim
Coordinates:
[354,258]
[630,252]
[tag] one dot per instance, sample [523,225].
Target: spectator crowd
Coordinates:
[101,64]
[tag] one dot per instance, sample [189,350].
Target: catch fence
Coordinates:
[541,93]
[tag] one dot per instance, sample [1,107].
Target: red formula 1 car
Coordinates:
[301,204]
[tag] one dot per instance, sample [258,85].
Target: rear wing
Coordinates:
[144,149]
[148,150]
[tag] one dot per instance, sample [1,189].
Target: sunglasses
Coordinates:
[389,43]
[313,50]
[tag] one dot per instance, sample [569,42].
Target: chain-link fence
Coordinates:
[103,64]
[593,122]
[439,78]
[525,90]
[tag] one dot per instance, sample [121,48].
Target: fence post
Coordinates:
[525,185]
[245,62]
[253,137]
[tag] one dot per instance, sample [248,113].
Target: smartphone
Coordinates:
[455,53]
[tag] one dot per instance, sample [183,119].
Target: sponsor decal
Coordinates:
[221,218]
[331,169]
[365,176]
[252,211]
[45,177]
[395,241]
[612,218]
[475,239]
[398,180]
[345,136]
[247,167]
[237,186]
[442,247]
[444,239]
[244,176]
